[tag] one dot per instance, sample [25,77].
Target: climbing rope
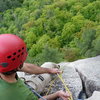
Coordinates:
[66,88]
[51,83]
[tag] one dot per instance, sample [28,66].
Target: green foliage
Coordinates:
[68,33]
[8,4]
[20,17]
[48,55]
[76,8]
[43,40]
[78,21]
[91,10]
[71,27]
[70,54]
[30,40]
[37,48]
[85,43]
[96,45]
[55,42]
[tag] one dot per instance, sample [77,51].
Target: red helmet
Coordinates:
[12,52]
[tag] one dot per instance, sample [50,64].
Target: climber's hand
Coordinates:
[54,71]
[63,95]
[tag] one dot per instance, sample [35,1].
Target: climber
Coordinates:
[13,53]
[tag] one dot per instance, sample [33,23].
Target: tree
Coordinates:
[67,33]
[91,10]
[86,40]
[96,45]
[55,23]
[30,39]
[76,8]
[37,48]
[8,4]
[49,54]
[54,42]
[78,21]
[70,54]
[20,17]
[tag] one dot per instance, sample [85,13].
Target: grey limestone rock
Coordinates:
[89,71]
[95,96]
[72,80]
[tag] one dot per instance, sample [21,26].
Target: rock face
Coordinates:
[72,80]
[50,65]
[95,96]
[78,74]
[89,71]
[70,76]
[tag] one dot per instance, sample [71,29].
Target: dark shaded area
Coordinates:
[9,4]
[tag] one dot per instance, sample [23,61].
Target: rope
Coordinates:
[51,83]
[67,89]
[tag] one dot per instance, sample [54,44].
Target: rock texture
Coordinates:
[50,65]
[70,76]
[95,96]
[89,71]
[79,74]
[72,80]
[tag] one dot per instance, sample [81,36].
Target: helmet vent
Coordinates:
[22,48]
[8,57]
[22,53]
[13,59]
[14,53]
[18,56]
[19,50]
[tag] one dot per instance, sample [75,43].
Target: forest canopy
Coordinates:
[54,30]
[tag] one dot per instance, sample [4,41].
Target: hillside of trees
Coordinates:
[54,30]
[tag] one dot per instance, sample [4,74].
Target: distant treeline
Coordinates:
[54,30]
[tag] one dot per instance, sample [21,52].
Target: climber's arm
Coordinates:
[34,69]
[61,94]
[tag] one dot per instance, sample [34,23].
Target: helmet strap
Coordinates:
[10,72]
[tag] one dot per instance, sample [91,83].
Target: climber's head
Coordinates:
[12,52]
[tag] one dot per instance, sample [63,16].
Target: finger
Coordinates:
[64,94]
[68,95]
[56,71]
[64,98]
[59,71]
